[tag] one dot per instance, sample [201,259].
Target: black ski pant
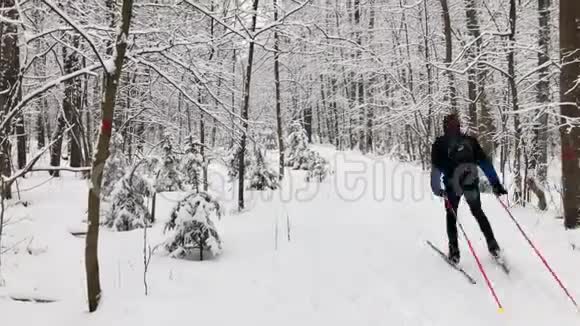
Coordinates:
[472,197]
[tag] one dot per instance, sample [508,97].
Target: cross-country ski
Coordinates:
[451,263]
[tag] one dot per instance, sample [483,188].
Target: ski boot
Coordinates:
[453,255]
[494,249]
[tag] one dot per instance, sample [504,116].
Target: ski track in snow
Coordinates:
[350,260]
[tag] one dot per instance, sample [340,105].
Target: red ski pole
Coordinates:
[479,265]
[538,253]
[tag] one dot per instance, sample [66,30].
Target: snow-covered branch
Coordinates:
[77,28]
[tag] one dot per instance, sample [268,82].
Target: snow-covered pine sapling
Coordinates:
[297,151]
[168,177]
[261,177]
[151,166]
[115,166]
[193,224]
[231,161]
[128,209]
[318,169]
[192,164]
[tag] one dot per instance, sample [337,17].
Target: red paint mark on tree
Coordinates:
[106,127]
[569,153]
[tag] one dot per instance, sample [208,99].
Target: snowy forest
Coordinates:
[131,102]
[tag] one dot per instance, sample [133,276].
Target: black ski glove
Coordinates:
[499,190]
[440,193]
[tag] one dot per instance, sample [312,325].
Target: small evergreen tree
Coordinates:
[297,152]
[151,166]
[115,167]
[231,161]
[261,176]
[192,164]
[318,169]
[128,210]
[193,222]
[168,178]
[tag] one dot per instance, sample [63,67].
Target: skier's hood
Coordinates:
[452,125]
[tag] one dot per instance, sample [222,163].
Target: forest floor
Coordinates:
[355,255]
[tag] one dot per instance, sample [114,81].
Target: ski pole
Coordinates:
[479,265]
[539,253]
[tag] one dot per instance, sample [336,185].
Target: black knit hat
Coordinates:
[452,124]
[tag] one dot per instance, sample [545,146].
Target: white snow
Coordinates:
[357,256]
[110,66]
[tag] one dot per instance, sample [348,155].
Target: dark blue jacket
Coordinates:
[443,165]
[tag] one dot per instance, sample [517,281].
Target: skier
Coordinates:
[456,156]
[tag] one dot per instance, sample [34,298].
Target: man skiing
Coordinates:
[456,156]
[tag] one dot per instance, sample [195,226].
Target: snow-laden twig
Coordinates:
[183,92]
[6,20]
[49,85]
[33,161]
[147,253]
[77,28]
[216,19]
[281,20]
[61,168]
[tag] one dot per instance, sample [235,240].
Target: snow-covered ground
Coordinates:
[355,255]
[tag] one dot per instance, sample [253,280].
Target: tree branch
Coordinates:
[76,27]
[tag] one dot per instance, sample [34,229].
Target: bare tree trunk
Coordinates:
[202,151]
[515,103]
[540,154]
[369,109]
[94,199]
[473,29]
[327,112]
[245,111]
[278,95]
[89,122]
[40,132]
[9,82]
[20,131]
[307,114]
[359,84]
[56,147]
[234,58]
[338,139]
[570,98]
[533,186]
[449,54]
[72,104]
[428,68]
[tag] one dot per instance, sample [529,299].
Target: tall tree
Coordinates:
[278,95]
[540,157]
[369,109]
[69,115]
[570,101]
[9,82]
[514,100]
[112,77]
[246,109]
[359,86]
[452,94]
[474,50]
[20,130]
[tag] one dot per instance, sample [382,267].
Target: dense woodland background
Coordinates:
[371,75]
